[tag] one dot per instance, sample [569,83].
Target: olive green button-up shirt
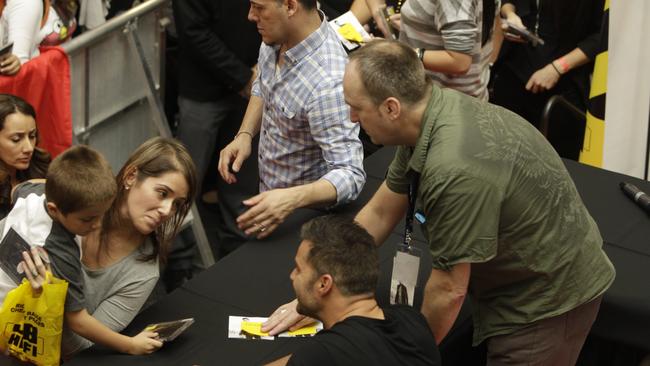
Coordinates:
[496,195]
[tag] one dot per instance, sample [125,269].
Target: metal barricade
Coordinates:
[116,87]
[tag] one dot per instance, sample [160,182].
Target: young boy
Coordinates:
[79,189]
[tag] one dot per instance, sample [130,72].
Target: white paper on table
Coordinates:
[235,332]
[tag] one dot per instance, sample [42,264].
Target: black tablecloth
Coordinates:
[254,280]
[625,311]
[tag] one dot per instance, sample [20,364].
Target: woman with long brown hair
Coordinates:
[156,188]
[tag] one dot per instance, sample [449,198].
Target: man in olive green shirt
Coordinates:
[503,217]
[504,220]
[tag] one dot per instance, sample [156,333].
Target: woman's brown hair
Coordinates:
[155,157]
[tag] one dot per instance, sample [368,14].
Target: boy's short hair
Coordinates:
[79,178]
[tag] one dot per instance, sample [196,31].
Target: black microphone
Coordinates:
[637,195]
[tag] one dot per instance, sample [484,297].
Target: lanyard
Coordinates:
[408,225]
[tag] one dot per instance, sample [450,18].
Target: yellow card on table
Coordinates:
[308,330]
[253,328]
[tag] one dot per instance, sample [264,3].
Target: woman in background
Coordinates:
[529,75]
[20,159]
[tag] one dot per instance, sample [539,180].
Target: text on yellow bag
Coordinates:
[32,325]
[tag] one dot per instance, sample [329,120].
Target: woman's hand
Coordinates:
[35,264]
[381,22]
[10,65]
[513,19]
[543,79]
[396,21]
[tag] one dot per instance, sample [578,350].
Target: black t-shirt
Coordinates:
[402,338]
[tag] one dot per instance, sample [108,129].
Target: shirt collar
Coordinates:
[429,119]
[309,44]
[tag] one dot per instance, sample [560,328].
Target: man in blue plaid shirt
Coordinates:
[309,150]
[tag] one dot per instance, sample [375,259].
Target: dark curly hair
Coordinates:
[345,250]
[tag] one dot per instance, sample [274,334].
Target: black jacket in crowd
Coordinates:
[218,47]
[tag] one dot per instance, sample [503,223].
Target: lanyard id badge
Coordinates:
[403,281]
[406,263]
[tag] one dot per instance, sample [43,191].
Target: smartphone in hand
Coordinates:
[5,51]
[524,34]
[12,247]
[384,19]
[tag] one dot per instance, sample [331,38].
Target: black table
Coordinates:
[625,311]
[254,280]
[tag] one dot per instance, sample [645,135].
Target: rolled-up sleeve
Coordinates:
[458,25]
[338,138]
[263,55]
[460,36]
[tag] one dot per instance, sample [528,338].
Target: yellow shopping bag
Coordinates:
[32,325]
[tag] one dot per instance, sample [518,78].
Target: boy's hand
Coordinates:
[36,264]
[144,343]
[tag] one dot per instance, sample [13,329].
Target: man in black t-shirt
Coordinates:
[334,279]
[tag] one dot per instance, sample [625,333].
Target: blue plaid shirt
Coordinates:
[306,132]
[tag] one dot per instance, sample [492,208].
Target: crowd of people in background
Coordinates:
[265,86]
